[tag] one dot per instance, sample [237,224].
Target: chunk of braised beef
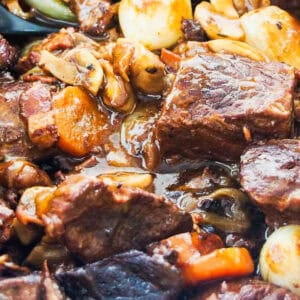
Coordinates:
[130,275]
[270,175]
[20,101]
[192,31]
[219,103]
[8,54]
[23,287]
[20,174]
[94,16]
[35,286]
[6,219]
[50,290]
[54,42]
[246,288]
[96,220]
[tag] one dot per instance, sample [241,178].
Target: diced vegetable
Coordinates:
[187,246]
[81,126]
[56,9]
[170,58]
[221,263]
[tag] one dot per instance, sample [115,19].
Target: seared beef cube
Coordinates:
[57,41]
[36,286]
[21,174]
[96,220]
[252,289]
[94,16]
[130,275]
[24,287]
[6,219]
[18,102]
[220,102]
[270,174]
[8,54]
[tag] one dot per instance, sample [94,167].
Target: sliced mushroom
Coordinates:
[225,7]
[235,47]
[58,67]
[243,6]
[274,32]
[117,92]
[75,67]
[217,25]
[143,67]
[135,180]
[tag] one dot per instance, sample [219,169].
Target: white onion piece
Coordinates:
[154,23]
[279,260]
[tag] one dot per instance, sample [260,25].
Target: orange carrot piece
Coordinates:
[221,263]
[170,58]
[192,245]
[81,126]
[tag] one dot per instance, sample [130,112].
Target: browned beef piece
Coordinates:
[94,16]
[19,101]
[245,289]
[192,31]
[220,102]
[54,42]
[131,275]
[19,288]
[36,286]
[8,54]
[6,219]
[96,220]
[270,174]
[20,174]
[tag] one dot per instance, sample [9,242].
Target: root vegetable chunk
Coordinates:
[81,126]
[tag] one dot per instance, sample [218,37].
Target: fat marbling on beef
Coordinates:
[270,174]
[220,102]
[97,220]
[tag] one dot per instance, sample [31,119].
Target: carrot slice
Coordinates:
[81,126]
[221,263]
[170,58]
